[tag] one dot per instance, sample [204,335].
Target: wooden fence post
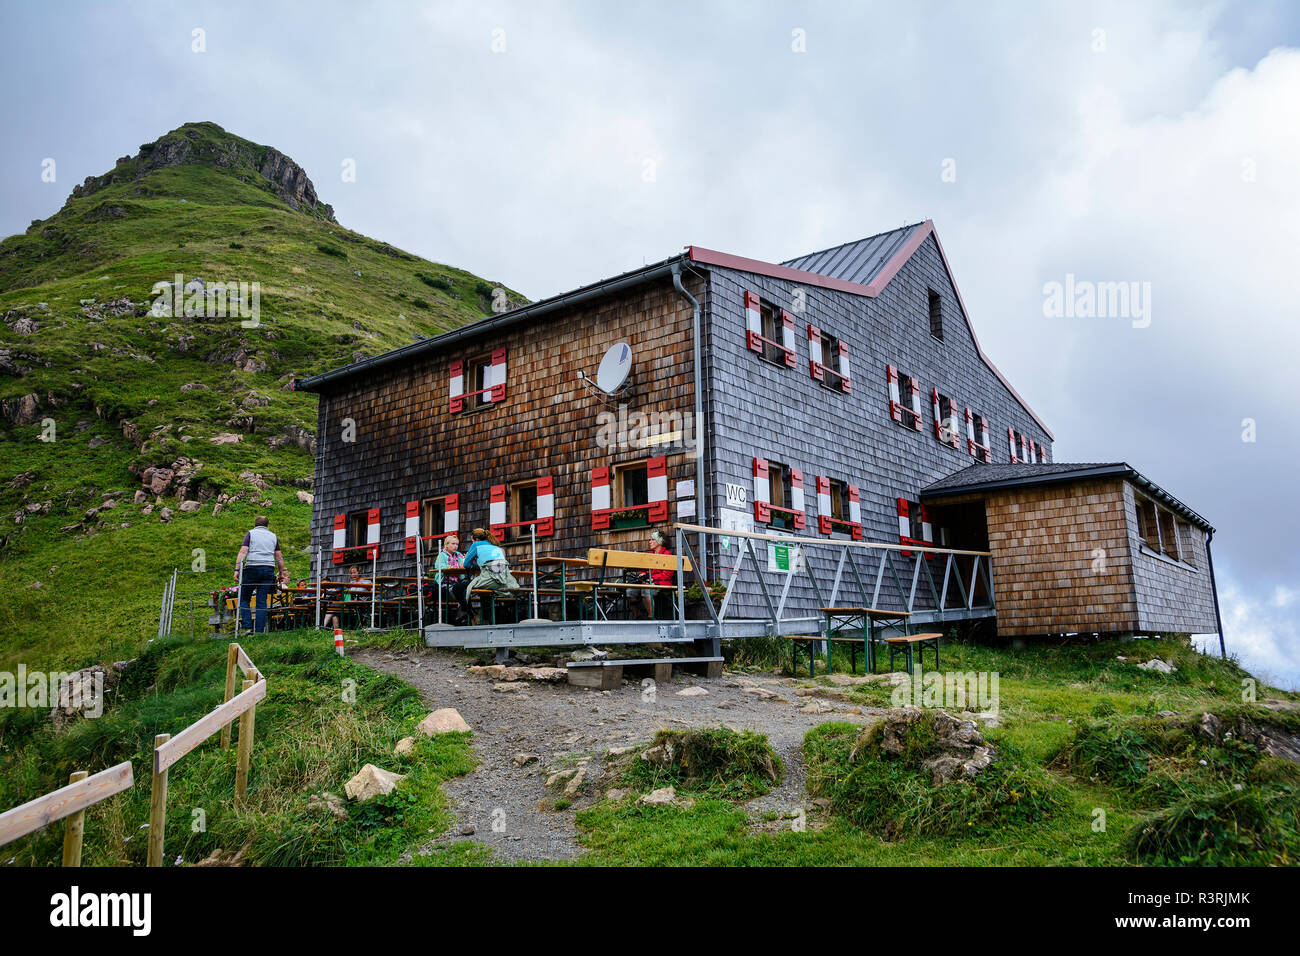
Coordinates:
[245,748]
[232,656]
[74,828]
[158,809]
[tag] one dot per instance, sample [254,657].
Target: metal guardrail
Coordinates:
[956,596]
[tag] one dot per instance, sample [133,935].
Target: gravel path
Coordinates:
[508,808]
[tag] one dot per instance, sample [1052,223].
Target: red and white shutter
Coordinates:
[954,425]
[916,404]
[816,361]
[1042,453]
[787,337]
[762,492]
[656,477]
[1024,449]
[824,505]
[372,533]
[412,529]
[927,530]
[451,514]
[340,537]
[753,323]
[970,433]
[855,512]
[1011,442]
[545,506]
[895,400]
[456,390]
[844,365]
[498,378]
[984,439]
[497,509]
[904,525]
[600,498]
[938,422]
[796,499]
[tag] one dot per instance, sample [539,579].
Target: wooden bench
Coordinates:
[852,626]
[605,559]
[608,674]
[906,642]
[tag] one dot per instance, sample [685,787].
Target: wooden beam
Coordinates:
[177,747]
[245,753]
[232,659]
[824,542]
[75,797]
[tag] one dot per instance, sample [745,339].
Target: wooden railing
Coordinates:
[84,791]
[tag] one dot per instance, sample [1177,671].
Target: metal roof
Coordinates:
[980,477]
[859,261]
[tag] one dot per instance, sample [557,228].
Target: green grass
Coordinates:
[99,359]
[717,762]
[324,717]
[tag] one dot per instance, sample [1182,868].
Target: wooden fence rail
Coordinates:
[84,791]
[71,802]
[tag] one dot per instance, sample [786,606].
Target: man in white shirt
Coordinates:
[262,563]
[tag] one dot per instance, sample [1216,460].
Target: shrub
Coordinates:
[332,251]
[718,761]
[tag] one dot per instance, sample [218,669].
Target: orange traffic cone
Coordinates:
[338,640]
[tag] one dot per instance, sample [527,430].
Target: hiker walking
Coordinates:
[262,563]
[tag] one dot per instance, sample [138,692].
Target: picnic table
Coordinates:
[860,625]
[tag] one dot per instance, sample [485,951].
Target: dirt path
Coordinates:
[500,803]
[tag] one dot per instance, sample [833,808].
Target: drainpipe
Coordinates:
[700,491]
[1214,588]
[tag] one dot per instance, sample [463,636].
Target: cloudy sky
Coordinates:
[547,145]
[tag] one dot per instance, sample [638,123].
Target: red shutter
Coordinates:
[600,499]
[938,412]
[372,533]
[457,386]
[816,361]
[787,337]
[497,510]
[340,537]
[412,511]
[895,399]
[904,526]
[855,513]
[657,468]
[915,389]
[1011,440]
[844,366]
[498,393]
[753,323]
[797,502]
[762,492]
[824,505]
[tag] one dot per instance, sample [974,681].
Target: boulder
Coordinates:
[304,496]
[189,507]
[447,720]
[1157,665]
[958,748]
[664,796]
[405,747]
[692,692]
[372,781]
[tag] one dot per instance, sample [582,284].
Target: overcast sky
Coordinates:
[546,146]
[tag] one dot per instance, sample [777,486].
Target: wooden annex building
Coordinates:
[839,396]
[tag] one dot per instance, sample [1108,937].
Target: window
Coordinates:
[947,429]
[433,517]
[1148,524]
[904,398]
[1168,534]
[831,361]
[936,315]
[480,381]
[979,444]
[839,500]
[774,335]
[631,491]
[523,508]
[357,522]
[1186,543]
[779,484]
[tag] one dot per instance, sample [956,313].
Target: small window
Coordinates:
[831,362]
[1148,528]
[1186,544]
[523,507]
[631,491]
[478,379]
[906,386]
[1168,534]
[936,315]
[357,522]
[839,500]
[778,476]
[433,515]
[946,427]
[980,426]
[773,333]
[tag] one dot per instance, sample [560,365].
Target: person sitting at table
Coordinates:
[454,587]
[641,600]
[486,555]
[334,618]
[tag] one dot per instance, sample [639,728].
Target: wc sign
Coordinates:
[737,495]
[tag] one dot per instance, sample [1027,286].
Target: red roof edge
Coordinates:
[882,279]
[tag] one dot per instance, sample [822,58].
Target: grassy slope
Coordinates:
[309,738]
[318,308]
[1047,696]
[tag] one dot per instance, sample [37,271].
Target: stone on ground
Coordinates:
[372,781]
[446,720]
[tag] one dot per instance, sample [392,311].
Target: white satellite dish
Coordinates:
[614,368]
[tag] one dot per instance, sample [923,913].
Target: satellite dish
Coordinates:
[614,368]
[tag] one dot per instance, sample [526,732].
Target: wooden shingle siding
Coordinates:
[409,446]
[1171,597]
[756,408]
